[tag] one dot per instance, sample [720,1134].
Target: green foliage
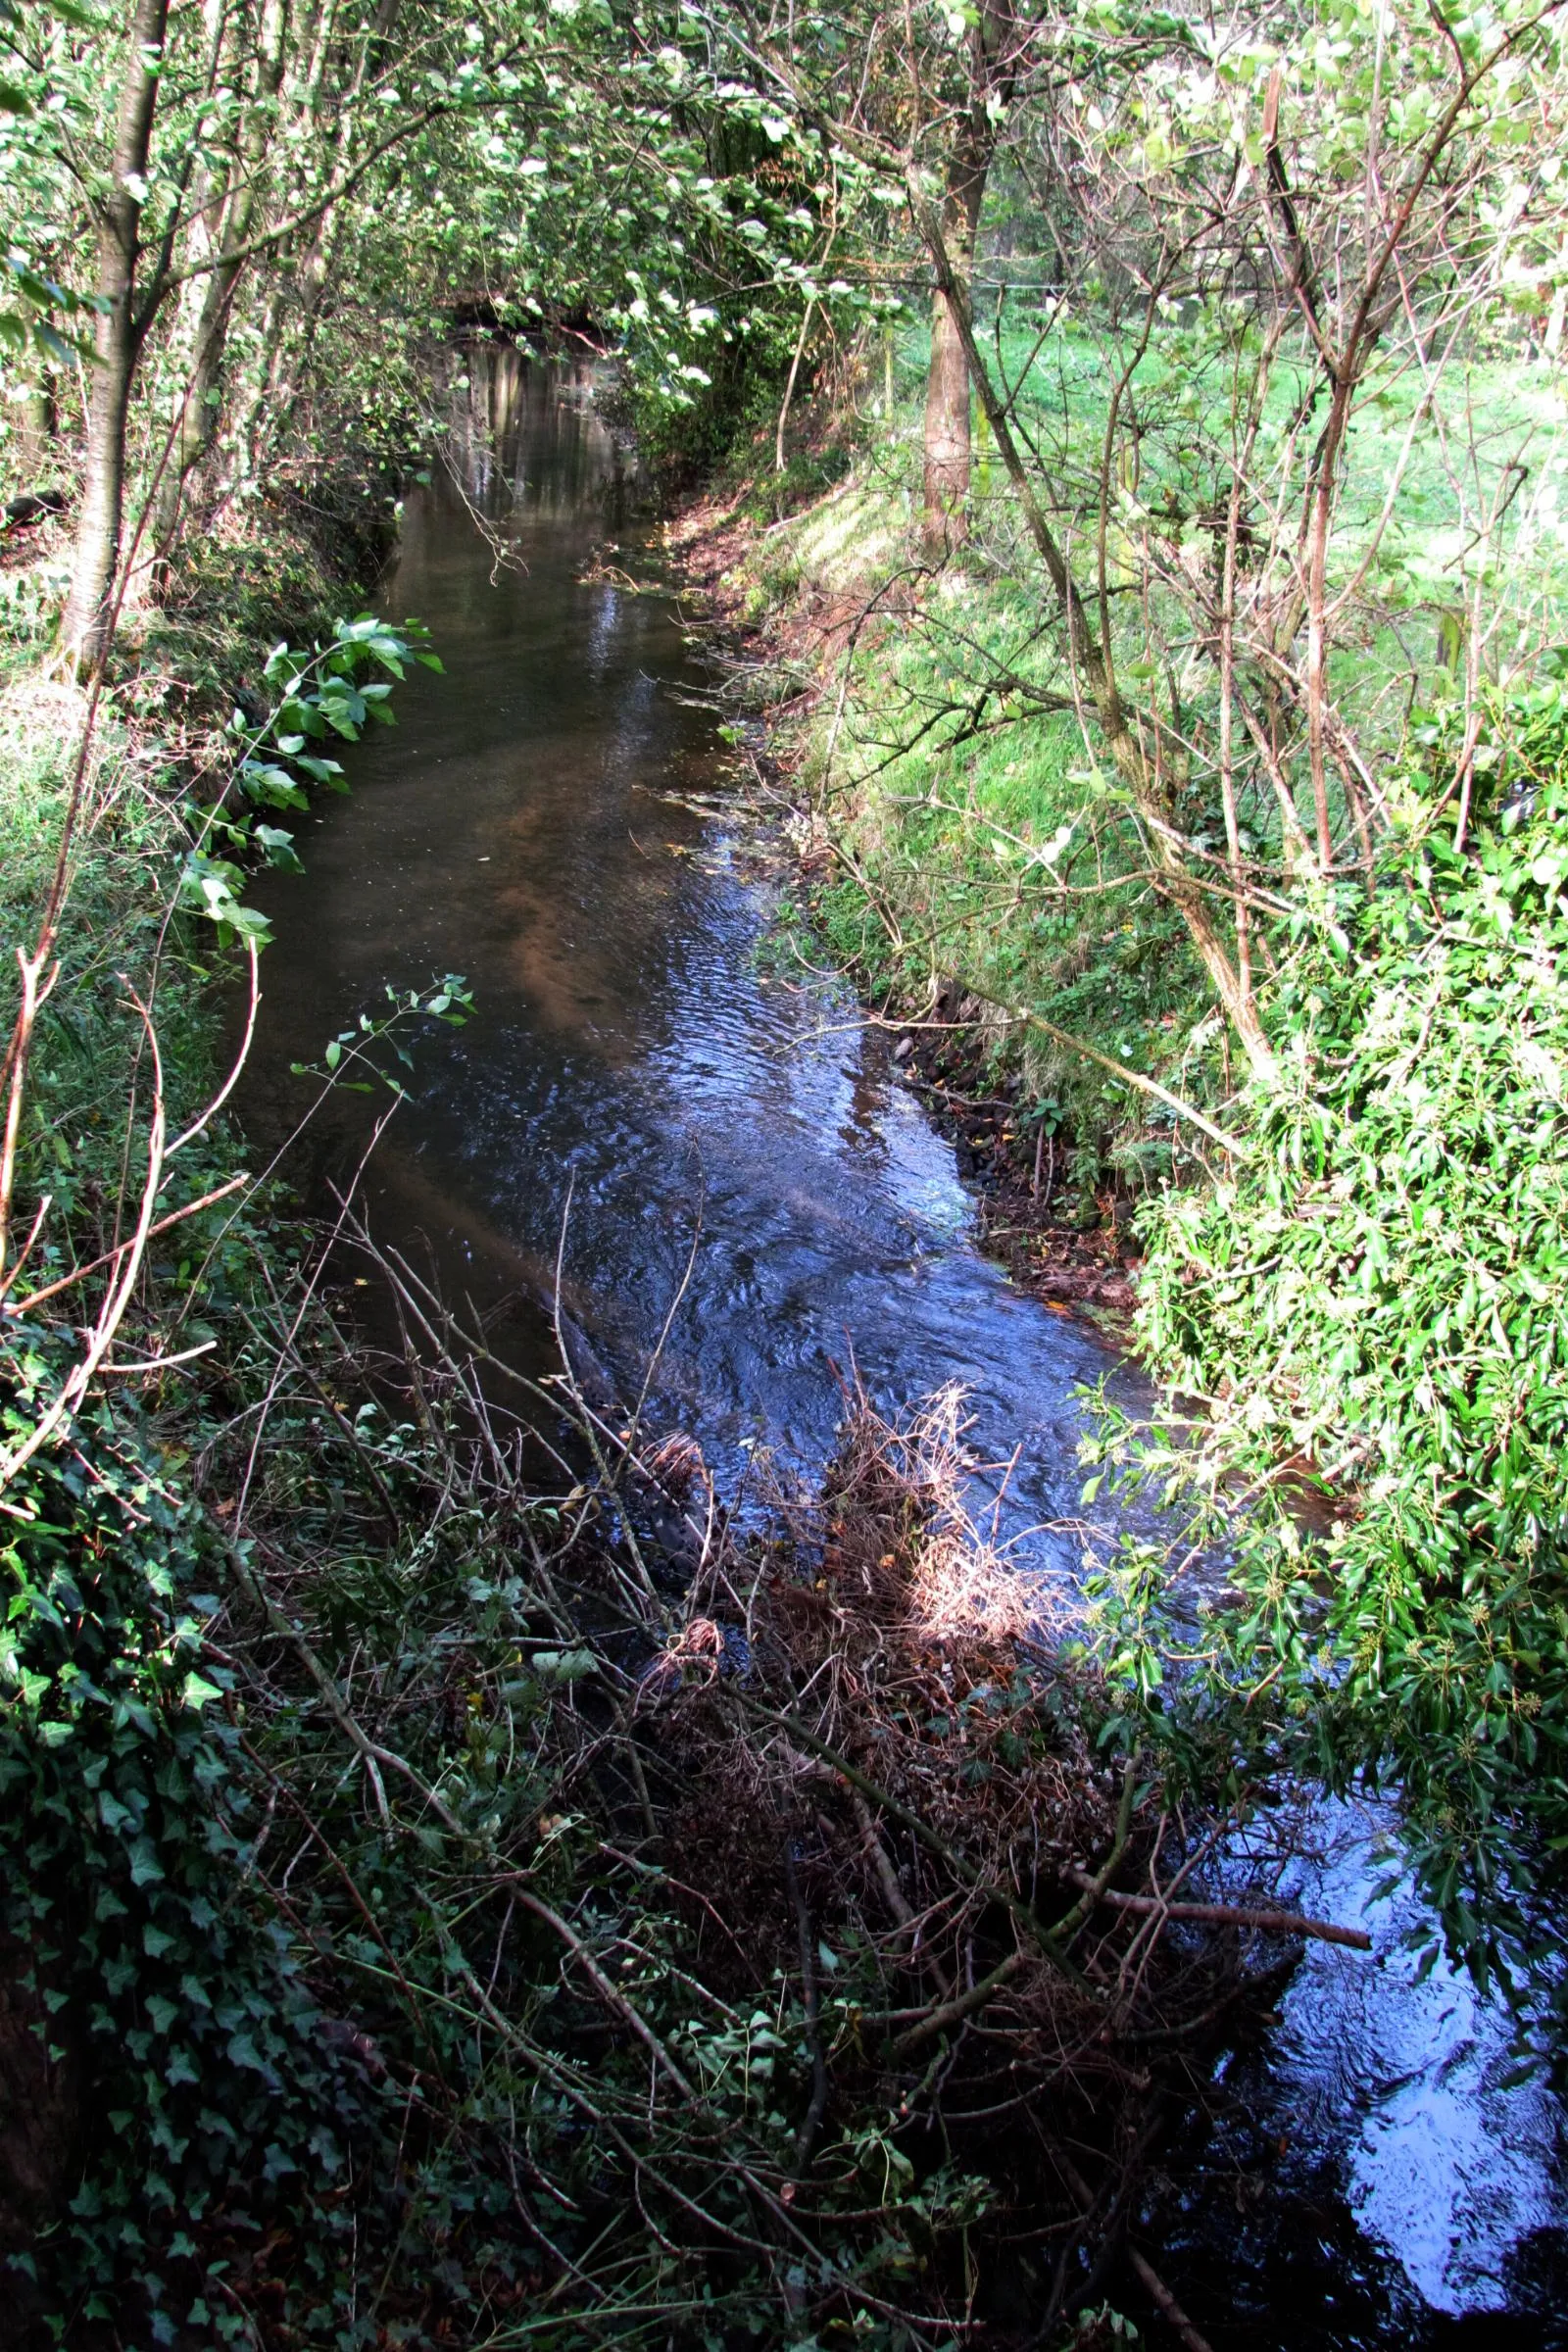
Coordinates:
[180,2000]
[322,698]
[1372,1312]
[30,327]
[334,2059]
[1369,1310]
[983,851]
[124,1805]
[314,2050]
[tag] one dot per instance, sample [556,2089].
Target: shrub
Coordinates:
[126,1804]
[1372,1316]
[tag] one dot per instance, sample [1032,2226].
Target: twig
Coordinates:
[337,1708]
[609,1994]
[35,989]
[175,1216]
[308,1373]
[79,1378]
[1095,1886]
[964,2004]
[1167,2303]
[241,1060]
[812,2123]
[46,1204]
[887,1878]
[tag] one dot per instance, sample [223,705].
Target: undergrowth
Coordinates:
[1353,1289]
[453,1917]
[431,1912]
[1369,1311]
[966,846]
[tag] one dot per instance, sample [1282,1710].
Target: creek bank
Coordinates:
[1072,1246]
[111,1535]
[406,1589]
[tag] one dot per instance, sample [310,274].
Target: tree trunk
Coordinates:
[85,629]
[198,414]
[197,426]
[1092,663]
[281,373]
[118,340]
[947,393]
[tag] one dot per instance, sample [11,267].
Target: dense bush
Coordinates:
[1371,1313]
[210,2098]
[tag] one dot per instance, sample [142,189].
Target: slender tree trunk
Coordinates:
[1094,665]
[279,377]
[117,341]
[197,427]
[997,42]
[198,414]
[947,392]
[789,389]
[85,629]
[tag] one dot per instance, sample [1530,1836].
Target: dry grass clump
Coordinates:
[885,1662]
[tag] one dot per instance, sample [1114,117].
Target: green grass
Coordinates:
[986,844]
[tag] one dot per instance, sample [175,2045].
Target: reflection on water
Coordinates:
[530,823]
[1383,2115]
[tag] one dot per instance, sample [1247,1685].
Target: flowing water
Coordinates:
[636,1095]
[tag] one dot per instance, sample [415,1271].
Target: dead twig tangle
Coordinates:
[755,1874]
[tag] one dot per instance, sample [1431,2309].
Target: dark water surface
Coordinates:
[547,819]
[529,823]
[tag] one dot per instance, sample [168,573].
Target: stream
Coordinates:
[638,1092]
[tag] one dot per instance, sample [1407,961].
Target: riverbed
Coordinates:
[646,1114]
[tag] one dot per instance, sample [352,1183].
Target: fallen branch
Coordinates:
[609,1994]
[1167,2303]
[964,2005]
[1228,1915]
[25,1306]
[1042,1936]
